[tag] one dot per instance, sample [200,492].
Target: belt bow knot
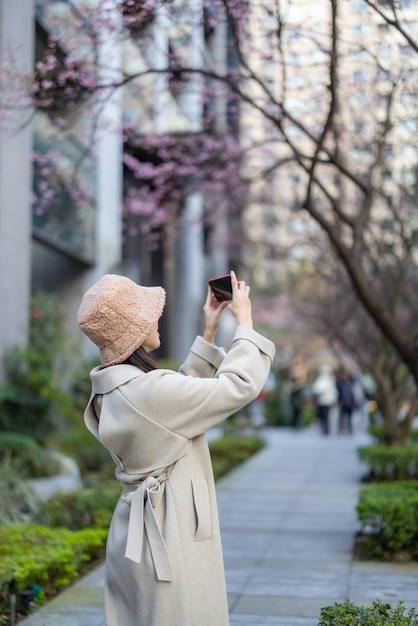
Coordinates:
[142,516]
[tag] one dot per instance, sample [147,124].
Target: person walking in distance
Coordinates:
[325,394]
[297,390]
[345,401]
[164,564]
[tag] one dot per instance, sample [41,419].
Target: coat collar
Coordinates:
[106,379]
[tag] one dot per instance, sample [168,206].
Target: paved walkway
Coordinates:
[288,523]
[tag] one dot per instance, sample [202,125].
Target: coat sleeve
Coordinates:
[203,359]
[190,406]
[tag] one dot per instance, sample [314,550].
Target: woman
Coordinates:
[325,394]
[164,562]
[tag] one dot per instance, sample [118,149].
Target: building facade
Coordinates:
[370,138]
[63,183]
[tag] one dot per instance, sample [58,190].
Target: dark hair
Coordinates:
[142,360]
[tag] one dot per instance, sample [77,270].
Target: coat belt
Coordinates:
[142,517]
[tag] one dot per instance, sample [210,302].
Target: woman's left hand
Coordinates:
[212,311]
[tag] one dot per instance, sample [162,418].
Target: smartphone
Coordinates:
[221,287]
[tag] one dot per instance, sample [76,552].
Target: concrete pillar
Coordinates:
[158,59]
[17,41]
[191,285]
[109,148]
[219,256]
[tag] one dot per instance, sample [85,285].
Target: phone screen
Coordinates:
[221,287]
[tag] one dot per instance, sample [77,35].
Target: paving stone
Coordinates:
[258,620]
[77,616]
[386,581]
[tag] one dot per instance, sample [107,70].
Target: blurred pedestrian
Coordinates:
[325,395]
[297,390]
[345,401]
[360,399]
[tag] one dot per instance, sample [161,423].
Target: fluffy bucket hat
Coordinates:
[118,315]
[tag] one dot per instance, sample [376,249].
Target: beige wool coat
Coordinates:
[164,564]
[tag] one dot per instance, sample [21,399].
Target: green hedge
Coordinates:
[388,513]
[90,455]
[48,558]
[388,463]
[30,459]
[230,451]
[378,614]
[379,432]
[92,506]
[21,458]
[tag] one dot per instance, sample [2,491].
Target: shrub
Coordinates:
[379,432]
[168,364]
[389,520]
[388,463]
[17,500]
[76,441]
[81,385]
[50,558]
[275,411]
[230,451]
[31,398]
[378,614]
[90,455]
[82,508]
[30,460]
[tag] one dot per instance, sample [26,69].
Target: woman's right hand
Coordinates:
[212,311]
[240,306]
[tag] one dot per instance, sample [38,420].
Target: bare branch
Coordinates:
[394,22]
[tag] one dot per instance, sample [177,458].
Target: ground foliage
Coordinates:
[389,523]
[49,558]
[388,463]
[378,614]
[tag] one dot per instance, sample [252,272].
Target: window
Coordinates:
[410,125]
[361,77]
[293,83]
[358,7]
[361,30]
[384,51]
[409,99]
[63,208]
[295,105]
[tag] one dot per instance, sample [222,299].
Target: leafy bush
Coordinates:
[168,364]
[378,431]
[51,558]
[17,500]
[228,452]
[81,385]
[30,460]
[74,440]
[275,411]
[31,397]
[388,463]
[389,520]
[378,614]
[90,455]
[92,506]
